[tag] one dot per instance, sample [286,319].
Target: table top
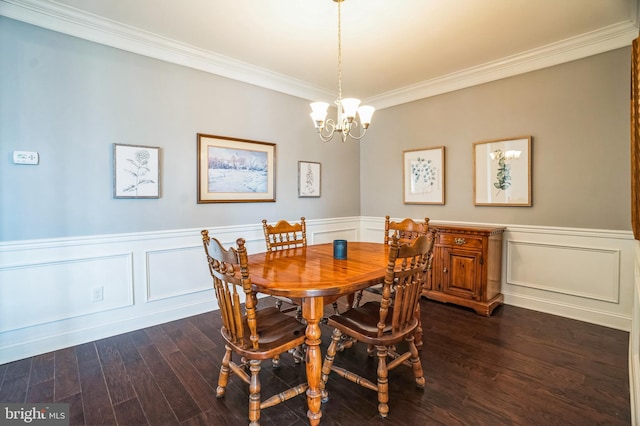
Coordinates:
[312,271]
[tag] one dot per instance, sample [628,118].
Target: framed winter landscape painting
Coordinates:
[423,171]
[232,170]
[136,171]
[308,179]
[502,172]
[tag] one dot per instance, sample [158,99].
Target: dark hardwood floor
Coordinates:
[518,367]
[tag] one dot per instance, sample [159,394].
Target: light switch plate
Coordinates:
[25,157]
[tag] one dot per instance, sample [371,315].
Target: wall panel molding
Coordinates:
[565,269]
[583,274]
[51,291]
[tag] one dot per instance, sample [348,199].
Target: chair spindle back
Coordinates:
[406,230]
[405,274]
[285,235]
[229,270]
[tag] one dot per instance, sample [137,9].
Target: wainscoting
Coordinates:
[57,293]
[62,292]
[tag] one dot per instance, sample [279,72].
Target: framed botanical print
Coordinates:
[308,179]
[502,172]
[423,174]
[136,171]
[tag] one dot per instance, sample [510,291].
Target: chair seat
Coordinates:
[276,330]
[362,323]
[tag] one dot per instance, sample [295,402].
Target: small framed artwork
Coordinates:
[502,172]
[308,179]
[136,171]
[232,170]
[423,171]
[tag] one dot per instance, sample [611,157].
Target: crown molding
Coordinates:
[74,22]
[71,21]
[588,44]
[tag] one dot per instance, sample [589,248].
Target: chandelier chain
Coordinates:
[347,109]
[339,52]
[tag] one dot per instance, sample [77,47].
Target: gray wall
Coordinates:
[71,99]
[578,115]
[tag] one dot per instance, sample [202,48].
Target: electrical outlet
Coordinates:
[97,294]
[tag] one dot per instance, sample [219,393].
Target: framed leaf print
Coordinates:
[423,171]
[502,172]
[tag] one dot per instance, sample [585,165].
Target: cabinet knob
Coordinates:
[445,270]
[460,241]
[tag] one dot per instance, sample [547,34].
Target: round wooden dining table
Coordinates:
[313,275]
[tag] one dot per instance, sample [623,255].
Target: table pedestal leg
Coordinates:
[312,311]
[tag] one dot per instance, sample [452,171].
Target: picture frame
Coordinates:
[136,171]
[502,172]
[232,170]
[424,175]
[309,179]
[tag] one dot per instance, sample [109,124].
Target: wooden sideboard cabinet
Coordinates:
[466,267]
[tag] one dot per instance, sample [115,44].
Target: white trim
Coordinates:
[77,23]
[571,49]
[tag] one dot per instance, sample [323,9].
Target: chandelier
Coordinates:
[347,108]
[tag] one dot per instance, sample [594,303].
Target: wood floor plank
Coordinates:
[200,390]
[153,402]
[42,391]
[95,395]
[130,413]
[118,383]
[67,381]
[76,409]
[173,389]
[42,368]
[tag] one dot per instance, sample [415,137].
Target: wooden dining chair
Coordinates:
[406,230]
[285,235]
[251,334]
[382,325]
[280,236]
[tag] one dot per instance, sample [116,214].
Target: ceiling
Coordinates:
[394,51]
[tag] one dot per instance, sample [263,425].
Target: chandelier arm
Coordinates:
[349,127]
[331,129]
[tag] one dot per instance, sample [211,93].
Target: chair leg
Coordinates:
[335,308]
[254,393]
[350,298]
[383,382]
[298,354]
[223,378]
[358,299]
[328,362]
[416,364]
[418,333]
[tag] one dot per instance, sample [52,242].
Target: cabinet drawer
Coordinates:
[460,240]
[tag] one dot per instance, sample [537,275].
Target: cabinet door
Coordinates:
[461,273]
